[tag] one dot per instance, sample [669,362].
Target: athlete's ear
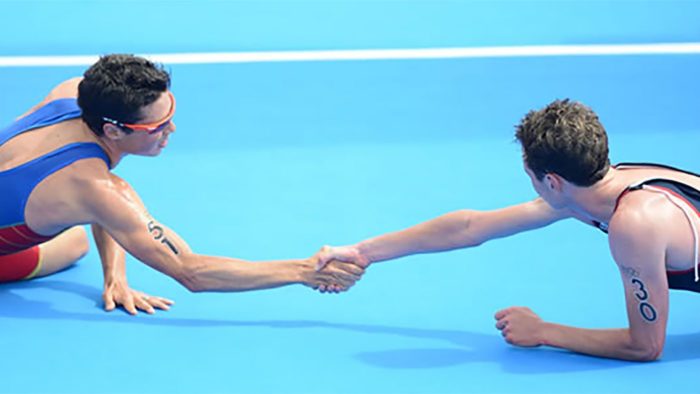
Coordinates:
[112,131]
[553,182]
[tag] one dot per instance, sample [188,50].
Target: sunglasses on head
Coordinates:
[150,128]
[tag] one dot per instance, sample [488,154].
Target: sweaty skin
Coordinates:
[648,235]
[86,192]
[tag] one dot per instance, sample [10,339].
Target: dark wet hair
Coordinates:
[118,87]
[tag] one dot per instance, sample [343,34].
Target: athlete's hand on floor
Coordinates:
[520,326]
[348,254]
[118,293]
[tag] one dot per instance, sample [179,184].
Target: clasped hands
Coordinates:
[337,269]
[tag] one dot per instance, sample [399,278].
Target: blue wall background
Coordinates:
[241,105]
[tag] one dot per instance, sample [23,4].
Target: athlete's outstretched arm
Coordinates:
[639,249]
[112,205]
[455,230]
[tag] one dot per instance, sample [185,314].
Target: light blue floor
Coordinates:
[271,161]
[422,324]
[97,26]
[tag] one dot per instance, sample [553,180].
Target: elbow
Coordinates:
[188,275]
[190,284]
[650,353]
[468,235]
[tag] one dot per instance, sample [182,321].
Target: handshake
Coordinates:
[336,269]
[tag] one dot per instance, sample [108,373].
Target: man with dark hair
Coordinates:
[55,164]
[651,213]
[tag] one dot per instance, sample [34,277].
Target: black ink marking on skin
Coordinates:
[159,234]
[170,245]
[641,294]
[645,309]
[155,229]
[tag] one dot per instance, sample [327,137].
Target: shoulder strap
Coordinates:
[51,113]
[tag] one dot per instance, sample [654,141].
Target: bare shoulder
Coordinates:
[514,219]
[536,213]
[100,189]
[642,209]
[65,89]
[540,207]
[639,222]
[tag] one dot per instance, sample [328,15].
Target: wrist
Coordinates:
[548,334]
[363,251]
[112,279]
[113,271]
[301,271]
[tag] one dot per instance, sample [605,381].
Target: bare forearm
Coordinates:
[447,232]
[609,343]
[207,273]
[112,255]
[461,229]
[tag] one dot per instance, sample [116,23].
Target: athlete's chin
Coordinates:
[151,153]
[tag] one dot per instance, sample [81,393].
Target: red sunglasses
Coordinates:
[150,128]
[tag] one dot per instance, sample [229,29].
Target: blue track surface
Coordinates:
[271,161]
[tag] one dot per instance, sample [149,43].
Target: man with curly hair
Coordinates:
[650,212]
